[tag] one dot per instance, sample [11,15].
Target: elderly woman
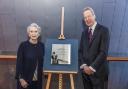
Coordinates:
[30,60]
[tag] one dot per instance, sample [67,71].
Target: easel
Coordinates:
[61,37]
[60,81]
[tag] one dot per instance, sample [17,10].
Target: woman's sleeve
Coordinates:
[19,62]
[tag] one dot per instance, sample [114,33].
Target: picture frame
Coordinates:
[61,56]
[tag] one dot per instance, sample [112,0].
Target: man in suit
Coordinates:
[54,58]
[93,52]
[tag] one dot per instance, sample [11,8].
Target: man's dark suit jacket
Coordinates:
[95,53]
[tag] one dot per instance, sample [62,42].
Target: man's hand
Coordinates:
[87,70]
[23,83]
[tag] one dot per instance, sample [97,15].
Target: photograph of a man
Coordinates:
[54,58]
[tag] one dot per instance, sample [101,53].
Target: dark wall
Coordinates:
[7,80]
[16,15]
[118,77]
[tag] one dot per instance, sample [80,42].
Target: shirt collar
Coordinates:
[93,27]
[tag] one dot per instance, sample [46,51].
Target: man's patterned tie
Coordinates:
[90,35]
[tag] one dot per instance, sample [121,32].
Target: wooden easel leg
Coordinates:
[72,81]
[60,81]
[48,81]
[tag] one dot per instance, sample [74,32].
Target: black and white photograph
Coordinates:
[61,54]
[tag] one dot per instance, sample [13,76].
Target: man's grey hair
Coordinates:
[34,25]
[90,9]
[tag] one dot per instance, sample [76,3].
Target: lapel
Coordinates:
[86,38]
[95,33]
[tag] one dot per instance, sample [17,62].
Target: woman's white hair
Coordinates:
[34,25]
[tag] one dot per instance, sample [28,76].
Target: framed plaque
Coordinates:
[61,56]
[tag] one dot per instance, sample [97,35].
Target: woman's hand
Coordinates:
[23,83]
